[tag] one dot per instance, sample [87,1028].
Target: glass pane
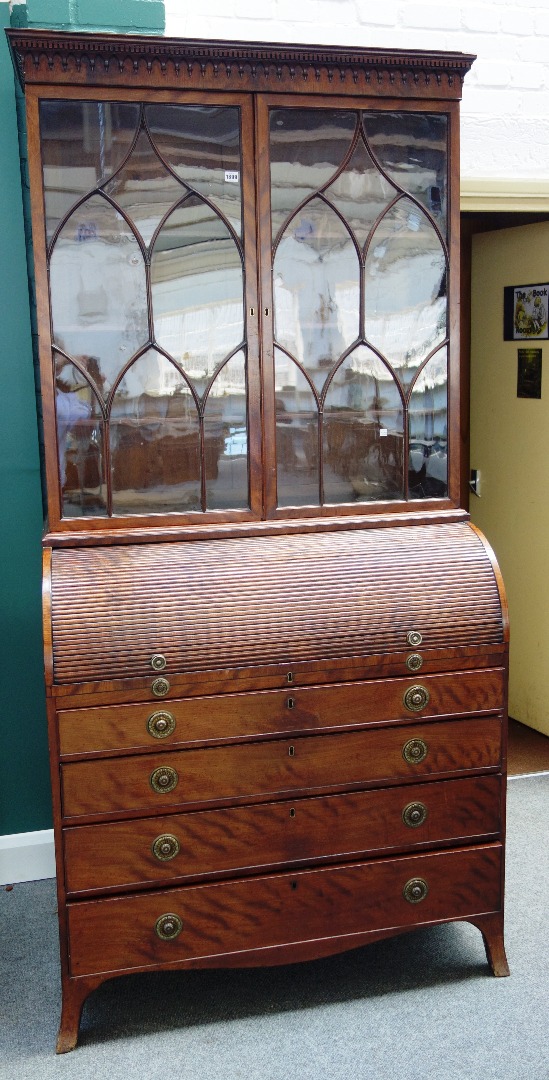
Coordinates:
[363,432]
[197,290]
[316,289]
[79,443]
[361,193]
[428,424]
[201,143]
[412,148]
[226,438]
[144,188]
[83,143]
[307,147]
[98,289]
[155,442]
[405,289]
[296,435]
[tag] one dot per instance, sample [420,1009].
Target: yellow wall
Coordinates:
[510,446]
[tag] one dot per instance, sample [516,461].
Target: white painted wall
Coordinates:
[505,114]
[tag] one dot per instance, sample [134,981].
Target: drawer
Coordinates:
[222,717]
[219,921]
[278,767]
[215,842]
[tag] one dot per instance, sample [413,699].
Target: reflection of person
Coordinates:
[70,407]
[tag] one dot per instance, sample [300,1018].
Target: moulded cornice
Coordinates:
[112,60]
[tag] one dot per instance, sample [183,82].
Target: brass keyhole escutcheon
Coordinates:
[164,779]
[416,698]
[291,751]
[414,751]
[160,687]
[290,703]
[161,724]
[168,926]
[165,847]
[414,662]
[414,814]
[292,812]
[415,890]
[290,677]
[414,638]
[158,662]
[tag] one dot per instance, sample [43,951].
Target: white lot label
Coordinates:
[383,431]
[232,177]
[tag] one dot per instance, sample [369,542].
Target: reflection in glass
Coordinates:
[98,289]
[307,147]
[363,435]
[201,144]
[144,188]
[360,192]
[79,440]
[412,148]
[316,289]
[296,435]
[197,290]
[226,438]
[82,143]
[405,289]
[428,430]
[154,440]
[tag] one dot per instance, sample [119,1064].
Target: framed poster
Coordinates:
[529,373]
[525,312]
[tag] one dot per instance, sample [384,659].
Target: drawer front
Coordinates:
[278,767]
[214,842]
[218,718]
[224,918]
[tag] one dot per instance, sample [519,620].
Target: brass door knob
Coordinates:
[416,698]
[161,724]
[164,779]
[168,926]
[414,814]
[415,751]
[165,847]
[415,890]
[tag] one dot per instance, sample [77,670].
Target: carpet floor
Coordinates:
[422,1006]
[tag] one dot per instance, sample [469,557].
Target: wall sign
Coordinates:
[529,373]
[525,312]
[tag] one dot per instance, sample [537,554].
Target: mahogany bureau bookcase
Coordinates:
[276,650]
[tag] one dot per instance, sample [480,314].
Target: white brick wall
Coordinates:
[505,113]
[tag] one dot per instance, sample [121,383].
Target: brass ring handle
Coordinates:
[415,751]
[414,638]
[164,779]
[414,662]
[416,698]
[161,724]
[414,814]
[168,926]
[165,847]
[415,890]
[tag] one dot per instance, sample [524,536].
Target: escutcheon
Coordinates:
[416,698]
[415,890]
[168,926]
[165,847]
[161,724]
[164,779]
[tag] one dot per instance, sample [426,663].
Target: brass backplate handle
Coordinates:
[160,724]
[158,662]
[415,890]
[414,814]
[416,698]
[165,847]
[164,779]
[415,751]
[414,661]
[168,926]
[160,687]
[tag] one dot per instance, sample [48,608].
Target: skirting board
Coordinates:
[26,857]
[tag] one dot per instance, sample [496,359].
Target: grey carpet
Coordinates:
[415,1007]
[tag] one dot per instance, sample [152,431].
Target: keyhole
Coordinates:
[292,812]
[291,751]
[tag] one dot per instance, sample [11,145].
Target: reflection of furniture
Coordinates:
[275,734]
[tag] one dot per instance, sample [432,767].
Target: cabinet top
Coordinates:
[47,56]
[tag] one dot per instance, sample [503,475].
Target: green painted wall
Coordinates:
[24,772]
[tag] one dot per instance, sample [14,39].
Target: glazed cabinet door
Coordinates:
[149,247]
